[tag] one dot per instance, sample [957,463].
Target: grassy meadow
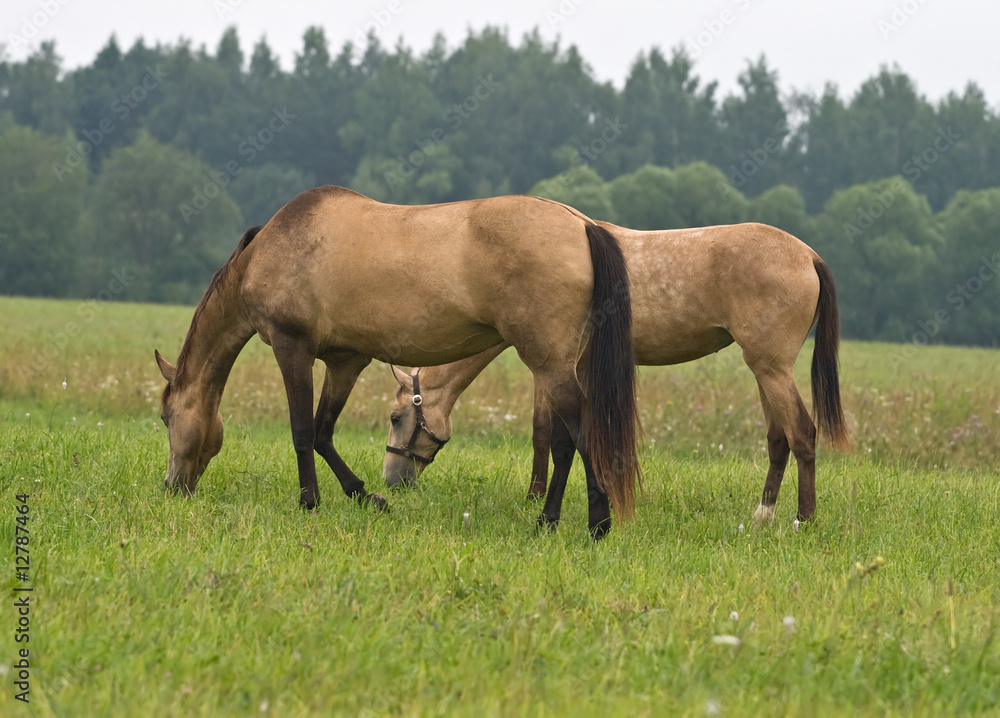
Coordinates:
[237,603]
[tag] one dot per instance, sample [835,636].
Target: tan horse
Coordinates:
[694,291]
[342,278]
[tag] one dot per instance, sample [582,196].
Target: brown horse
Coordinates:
[342,278]
[694,291]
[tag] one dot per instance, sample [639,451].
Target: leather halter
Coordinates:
[407,451]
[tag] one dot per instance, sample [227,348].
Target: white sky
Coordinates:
[942,45]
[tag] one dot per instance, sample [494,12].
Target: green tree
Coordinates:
[971,225]
[34,93]
[826,162]
[39,213]
[579,187]
[645,198]
[890,124]
[515,115]
[670,118]
[882,242]
[203,105]
[782,206]
[321,93]
[705,197]
[262,190]
[161,217]
[965,150]
[754,125]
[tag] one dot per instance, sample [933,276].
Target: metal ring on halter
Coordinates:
[417,400]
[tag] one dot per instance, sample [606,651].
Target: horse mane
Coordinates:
[218,279]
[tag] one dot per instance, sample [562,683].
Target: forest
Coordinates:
[132,178]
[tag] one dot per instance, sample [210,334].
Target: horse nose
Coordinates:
[399,474]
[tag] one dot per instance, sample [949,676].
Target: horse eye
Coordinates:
[394,419]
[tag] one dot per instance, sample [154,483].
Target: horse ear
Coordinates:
[169,372]
[402,378]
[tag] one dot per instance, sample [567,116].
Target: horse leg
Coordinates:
[567,400]
[541,430]
[777,454]
[341,375]
[786,404]
[295,359]
[562,460]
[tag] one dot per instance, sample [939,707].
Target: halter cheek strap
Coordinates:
[407,451]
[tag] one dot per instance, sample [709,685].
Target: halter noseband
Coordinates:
[407,451]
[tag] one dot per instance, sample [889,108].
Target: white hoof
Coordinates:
[763,515]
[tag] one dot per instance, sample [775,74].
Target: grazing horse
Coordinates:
[339,277]
[694,291]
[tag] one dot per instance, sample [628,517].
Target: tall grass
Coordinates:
[236,602]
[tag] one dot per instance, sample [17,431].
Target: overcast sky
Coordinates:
[942,45]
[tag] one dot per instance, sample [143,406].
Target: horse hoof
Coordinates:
[600,530]
[544,522]
[376,501]
[763,515]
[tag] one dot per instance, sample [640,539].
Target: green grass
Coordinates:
[236,602]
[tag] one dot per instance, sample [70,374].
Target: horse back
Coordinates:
[448,275]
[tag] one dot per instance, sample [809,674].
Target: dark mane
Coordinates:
[217,280]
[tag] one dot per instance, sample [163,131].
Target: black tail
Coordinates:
[611,378]
[827,411]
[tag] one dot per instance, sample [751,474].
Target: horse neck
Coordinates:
[219,331]
[452,379]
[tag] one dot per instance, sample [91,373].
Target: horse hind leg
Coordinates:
[562,461]
[567,400]
[777,454]
[786,412]
[541,440]
[341,376]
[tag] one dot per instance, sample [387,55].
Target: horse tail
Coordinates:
[611,376]
[827,410]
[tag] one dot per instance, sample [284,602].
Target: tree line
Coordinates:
[139,171]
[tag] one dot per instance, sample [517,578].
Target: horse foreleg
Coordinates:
[295,359]
[341,375]
[562,460]
[541,430]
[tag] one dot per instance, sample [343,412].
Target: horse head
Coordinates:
[419,426]
[194,428]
